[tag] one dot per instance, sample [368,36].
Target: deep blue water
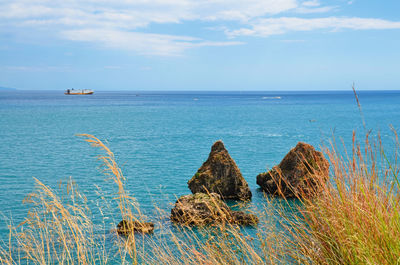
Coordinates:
[160,139]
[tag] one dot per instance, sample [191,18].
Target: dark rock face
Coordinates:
[220,174]
[300,173]
[126,227]
[242,218]
[202,209]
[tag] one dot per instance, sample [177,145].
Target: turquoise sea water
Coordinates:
[160,139]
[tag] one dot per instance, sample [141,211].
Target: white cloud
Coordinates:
[137,13]
[275,26]
[142,43]
[322,9]
[313,6]
[116,24]
[311,3]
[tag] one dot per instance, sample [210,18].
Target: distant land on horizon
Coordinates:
[7,88]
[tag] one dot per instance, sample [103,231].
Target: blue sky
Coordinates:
[200,44]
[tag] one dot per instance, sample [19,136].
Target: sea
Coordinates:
[160,139]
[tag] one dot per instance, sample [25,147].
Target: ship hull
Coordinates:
[81,93]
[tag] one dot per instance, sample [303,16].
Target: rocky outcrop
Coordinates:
[220,174]
[202,209]
[300,173]
[126,227]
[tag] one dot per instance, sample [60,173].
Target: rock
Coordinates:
[202,209]
[242,218]
[300,173]
[220,174]
[126,227]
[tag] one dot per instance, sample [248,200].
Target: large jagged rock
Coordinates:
[220,174]
[300,173]
[127,227]
[202,209]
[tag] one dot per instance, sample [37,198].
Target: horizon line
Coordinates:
[242,91]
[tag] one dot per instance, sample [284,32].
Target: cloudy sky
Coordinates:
[200,44]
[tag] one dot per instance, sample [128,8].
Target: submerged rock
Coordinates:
[300,173]
[203,209]
[220,174]
[126,227]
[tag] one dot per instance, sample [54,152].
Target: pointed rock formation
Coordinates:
[300,173]
[202,209]
[220,174]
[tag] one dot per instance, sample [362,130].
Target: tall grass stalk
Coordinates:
[354,219]
[128,206]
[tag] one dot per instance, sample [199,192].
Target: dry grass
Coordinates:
[59,227]
[355,219]
[56,230]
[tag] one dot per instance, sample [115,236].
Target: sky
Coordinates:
[205,45]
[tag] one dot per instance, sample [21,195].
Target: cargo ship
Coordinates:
[78,92]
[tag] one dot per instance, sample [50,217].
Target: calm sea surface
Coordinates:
[160,139]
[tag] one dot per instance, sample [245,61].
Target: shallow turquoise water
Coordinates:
[161,139]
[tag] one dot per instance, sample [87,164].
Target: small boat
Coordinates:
[78,92]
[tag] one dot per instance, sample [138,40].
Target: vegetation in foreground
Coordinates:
[353,220]
[356,219]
